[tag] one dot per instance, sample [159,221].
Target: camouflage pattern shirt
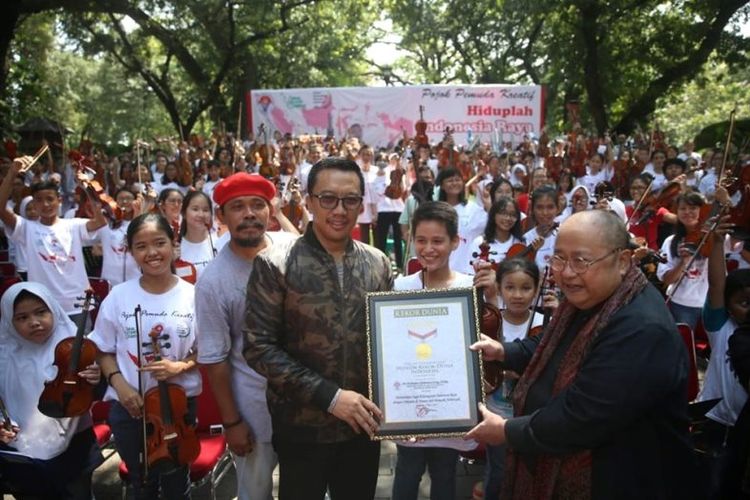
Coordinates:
[306,334]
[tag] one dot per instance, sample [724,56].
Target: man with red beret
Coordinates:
[245,206]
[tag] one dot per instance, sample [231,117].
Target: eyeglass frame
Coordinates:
[587,263]
[339,200]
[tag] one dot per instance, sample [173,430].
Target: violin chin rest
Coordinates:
[51,409]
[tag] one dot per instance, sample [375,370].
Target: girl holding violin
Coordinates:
[687,300]
[122,331]
[647,228]
[435,235]
[518,284]
[63,452]
[502,231]
[198,243]
[542,233]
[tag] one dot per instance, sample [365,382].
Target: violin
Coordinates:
[395,189]
[267,154]
[697,240]
[520,250]
[491,322]
[68,395]
[652,203]
[421,128]
[184,269]
[94,189]
[447,155]
[292,210]
[170,441]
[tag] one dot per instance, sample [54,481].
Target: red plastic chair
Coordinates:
[687,337]
[99,413]
[214,460]
[702,346]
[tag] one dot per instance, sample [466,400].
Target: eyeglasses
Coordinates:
[508,215]
[579,265]
[330,202]
[173,201]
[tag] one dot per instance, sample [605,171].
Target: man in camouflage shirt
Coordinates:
[305,332]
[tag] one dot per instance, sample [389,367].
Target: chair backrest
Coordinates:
[413,266]
[687,337]
[100,411]
[8,269]
[101,289]
[208,410]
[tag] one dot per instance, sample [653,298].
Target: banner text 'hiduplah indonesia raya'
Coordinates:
[380,115]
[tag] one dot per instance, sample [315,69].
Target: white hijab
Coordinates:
[24,367]
[515,181]
[569,209]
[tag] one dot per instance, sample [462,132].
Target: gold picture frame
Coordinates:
[421,373]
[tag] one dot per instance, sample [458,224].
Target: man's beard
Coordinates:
[250,242]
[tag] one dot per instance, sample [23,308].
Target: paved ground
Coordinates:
[107,484]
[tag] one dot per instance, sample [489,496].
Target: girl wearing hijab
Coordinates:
[54,458]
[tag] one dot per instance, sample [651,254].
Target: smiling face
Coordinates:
[433,245]
[600,280]
[198,213]
[333,226]
[545,210]
[47,203]
[452,186]
[688,215]
[32,319]
[152,250]
[580,200]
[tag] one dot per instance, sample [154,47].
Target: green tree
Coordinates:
[617,58]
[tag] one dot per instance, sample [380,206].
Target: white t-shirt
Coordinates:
[198,254]
[591,180]
[694,287]
[720,380]
[365,217]
[513,332]
[55,257]
[118,264]
[115,331]
[208,188]
[471,222]
[544,254]
[414,282]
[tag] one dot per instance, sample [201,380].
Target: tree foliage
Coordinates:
[616,58]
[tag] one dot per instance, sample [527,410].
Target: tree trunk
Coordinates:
[8,22]
[589,29]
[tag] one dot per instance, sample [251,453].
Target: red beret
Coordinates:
[242,184]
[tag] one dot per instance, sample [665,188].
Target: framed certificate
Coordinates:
[422,374]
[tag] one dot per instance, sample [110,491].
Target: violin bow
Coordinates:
[537,301]
[640,202]
[34,159]
[138,327]
[727,146]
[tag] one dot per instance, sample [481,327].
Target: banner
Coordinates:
[380,116]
